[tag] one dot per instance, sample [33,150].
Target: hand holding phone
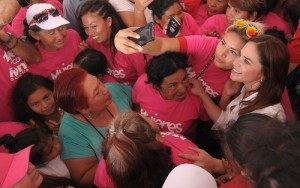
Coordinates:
[146,34]
[173,27]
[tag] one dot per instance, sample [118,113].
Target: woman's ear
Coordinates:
[253,16]
[33,34]
[156,20]
[108,21]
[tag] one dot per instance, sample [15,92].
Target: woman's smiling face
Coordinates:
[247,69]
[228,50]
[97,28]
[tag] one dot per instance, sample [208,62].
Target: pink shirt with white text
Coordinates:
[176,142]
[12,68]
[201,49]
[53,63]
[124,68]
[170,115]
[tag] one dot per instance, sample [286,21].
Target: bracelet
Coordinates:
[23,3]
[17,41]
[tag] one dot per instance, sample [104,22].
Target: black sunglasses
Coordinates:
[43,16]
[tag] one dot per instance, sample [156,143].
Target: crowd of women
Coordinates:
[83,105]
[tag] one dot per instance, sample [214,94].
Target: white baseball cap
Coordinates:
[51,22]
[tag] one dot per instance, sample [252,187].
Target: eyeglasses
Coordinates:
[250,30]
[43,16]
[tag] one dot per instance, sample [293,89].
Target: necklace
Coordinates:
[91,116]
[205,67]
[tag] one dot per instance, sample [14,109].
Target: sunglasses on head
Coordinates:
[43,16]
[250,30]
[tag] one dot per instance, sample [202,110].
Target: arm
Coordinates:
[156,47]
[213,110]
[206,161]
[230,90]
[8,10]
[22,48]
[139,18]
[128,18]
[83,170]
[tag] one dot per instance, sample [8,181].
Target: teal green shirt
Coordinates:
[81,140]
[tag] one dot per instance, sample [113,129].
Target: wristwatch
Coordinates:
[11,36]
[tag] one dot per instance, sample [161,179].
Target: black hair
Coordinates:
[104,9]
[159,7]
[33,28]
[30,136]
[26,85]
[164,65]
[93,61]
[277,33]
[267,148]
[292,13]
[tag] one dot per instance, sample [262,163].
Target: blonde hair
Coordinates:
[246,29]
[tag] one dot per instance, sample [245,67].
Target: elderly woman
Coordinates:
[58,46]
[133,146]
[89,106]
[163,95]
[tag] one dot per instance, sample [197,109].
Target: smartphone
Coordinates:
[146,34]
[173,27]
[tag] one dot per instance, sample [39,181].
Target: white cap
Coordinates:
[189,176]
[51,23]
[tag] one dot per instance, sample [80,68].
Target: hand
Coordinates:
[232,169]
[123,44]
[83,45]
[141,5]
[196,87]
[231,88]
[204,160]
[213,34]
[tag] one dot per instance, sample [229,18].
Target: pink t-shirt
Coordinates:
[176,142]
[170,115]
[216,23]
[17,22]
[55,62]
[12,128]
[188,27]
[294,46]
[12,68]
[201,49]
[108,79]
[124,68]
[219,23]
[201,15]
[273,20]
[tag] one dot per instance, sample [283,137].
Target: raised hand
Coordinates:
[123,44]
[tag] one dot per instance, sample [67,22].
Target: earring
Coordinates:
[90,116]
